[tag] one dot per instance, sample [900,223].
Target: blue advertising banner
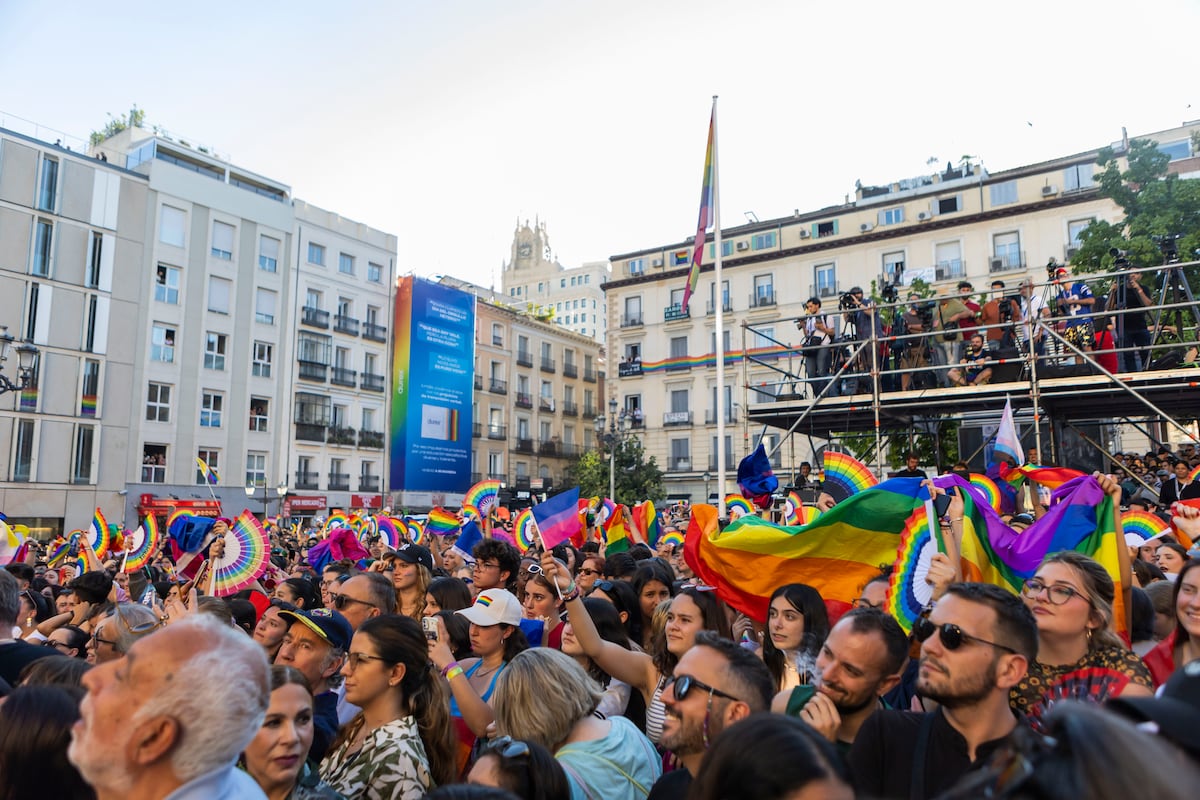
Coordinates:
[432,373]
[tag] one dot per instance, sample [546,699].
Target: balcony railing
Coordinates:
[524,446]
[372,383]
[629,369]
[677,418]
[570,409]
[313,371]
[306,432]
[497,386]
[370,439]
[368,483]
[549,448]
[676,312]
[344,377]
[478,381]
[477,431]
[710,416]
[711,308]
[497,432]
[373,332]
[571,450]
[524,400]
[570,369]
[636,420]
[730,463]
[524,358]
[341,436]
[1007,263]
[763,298]
[545,404]
[314,317]
[339,481]
[344,324]
[589,374]
[631,320]
[307,480]
[547,364]
[679,465]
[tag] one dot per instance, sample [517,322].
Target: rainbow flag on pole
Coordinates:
[706,214]
[210,473]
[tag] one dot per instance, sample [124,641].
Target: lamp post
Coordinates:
[250,490]
[282,490]
[617,427]
[707,479]
[27,356]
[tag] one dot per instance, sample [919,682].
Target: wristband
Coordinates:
[454,672]
[446,669]
[571,595]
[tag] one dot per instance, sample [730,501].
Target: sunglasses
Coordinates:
[589,571]
[604,586]
[339,601]
[685,683]
[953,637]
[506,747]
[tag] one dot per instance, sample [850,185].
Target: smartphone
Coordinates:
[941,503]
[430,626]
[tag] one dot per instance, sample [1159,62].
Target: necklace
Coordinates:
[481,672]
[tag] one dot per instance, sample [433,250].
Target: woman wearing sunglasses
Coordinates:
[1071,598]
[692,610]
[400,745]
[524,768]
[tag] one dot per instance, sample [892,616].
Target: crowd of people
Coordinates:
[574,673]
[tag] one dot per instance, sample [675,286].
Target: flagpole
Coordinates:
[719,304]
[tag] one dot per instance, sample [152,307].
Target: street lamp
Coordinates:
[282,490]
[617,427]
[27,356]
[707,479]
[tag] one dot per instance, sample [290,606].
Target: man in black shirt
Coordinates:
[14,653]
[977,644]
[1173,488]
[910,467]
[1129,296]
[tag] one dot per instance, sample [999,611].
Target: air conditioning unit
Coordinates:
[804,233]
[995,265]
[827,291]
[924,215]
[656,262]
[941,273]
[866,226]
[743,245]
[1049,191]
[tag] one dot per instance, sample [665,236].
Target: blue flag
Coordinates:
[756,479]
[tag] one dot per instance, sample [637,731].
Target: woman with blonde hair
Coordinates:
[546,697]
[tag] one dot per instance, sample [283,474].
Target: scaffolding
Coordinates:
[1147,379]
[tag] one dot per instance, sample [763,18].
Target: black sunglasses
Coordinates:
[506,747]
[340,600]
[952,636]
[685,683]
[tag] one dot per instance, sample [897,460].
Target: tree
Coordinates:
[940,450]
[115,125]
[637,479]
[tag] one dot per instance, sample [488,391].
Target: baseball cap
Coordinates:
[326,623]
[414,554]
[492,607]
[1175,711]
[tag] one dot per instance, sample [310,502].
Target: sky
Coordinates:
[447,121]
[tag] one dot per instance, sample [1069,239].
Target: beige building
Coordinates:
[962,223]
[71,266]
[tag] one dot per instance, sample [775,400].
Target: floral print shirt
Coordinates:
[1102,673]
[390,765]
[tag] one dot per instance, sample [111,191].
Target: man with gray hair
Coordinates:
[170,718]
[113,635]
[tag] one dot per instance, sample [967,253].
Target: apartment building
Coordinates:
[72,255]
[961,223]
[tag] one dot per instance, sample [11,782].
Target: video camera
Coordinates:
[847,302]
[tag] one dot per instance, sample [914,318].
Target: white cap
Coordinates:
[493,607]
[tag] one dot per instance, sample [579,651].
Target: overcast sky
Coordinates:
[445,121]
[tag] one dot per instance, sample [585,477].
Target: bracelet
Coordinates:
[446,669]
[956,519]
[454,672]
[571,595]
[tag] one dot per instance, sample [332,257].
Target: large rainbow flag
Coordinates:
[707,210]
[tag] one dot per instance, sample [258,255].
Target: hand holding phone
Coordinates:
[430,626]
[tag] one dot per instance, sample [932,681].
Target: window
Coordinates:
[166,284]
[681,458]
[264,306]
[1078,177]
[313,299]
[948,205]
[1004,193]
[81,466]
[171,226]
[1074,228]
[316,254]
[495,463]
[679,347]
[261,359]
[637,266]
[680,401]
[345,307]
[214,351]
[219,291]
[314,348]
[763,338]
[23,457]
[345,263]
[1007,248]
[158,403]
[762,241]
[891,216]
[43,239]
[258,413]
[368,419]
[268,254]
[547,390]
[213,459]
[1173,150]
[948,263]
[821,229]
[94,312]
[95,261]
[825,279]
[162,343]
[562,284]
[256,469]
[893,267]
[48,188]
[726,249]
[633,311]
[681,258]
[89,388]
[712,341]
[211,406]
[374,273]
[764,290]
[633,352]
[222,241]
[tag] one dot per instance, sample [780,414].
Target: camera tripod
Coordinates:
[1174,282]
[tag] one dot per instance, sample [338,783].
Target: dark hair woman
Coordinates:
[35,730]
[797,624]
[1183,645]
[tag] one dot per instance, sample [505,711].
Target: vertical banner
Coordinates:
[433,384]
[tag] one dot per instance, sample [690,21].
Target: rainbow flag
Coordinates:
[616,537]
[210,473]
[707,209]
[442,522]
[1050,477]
[648,522]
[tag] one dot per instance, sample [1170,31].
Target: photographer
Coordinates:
[1033,310]
[862,322]
[1133,334]
[998,316]
[950,314]
[819,333]
[914,353]
[1075,301]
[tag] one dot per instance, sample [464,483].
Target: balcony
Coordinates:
[344,324]
[570,370]
[730,463]
[547,364]
[546,404]
[629,369]
[524,446]
[497,432]
[345,436]
[313,371]
[677,418]
[631,320]
[372,383]
[344,377]
[373,332]
[476,477]
[478,381]
[339,481]
[589,412]
[763,298]
[636,420]
[589,374]
[476,431]
[677,465]
[307,432]
[951,269]
[710,307]
[571,450]
[676,312]
[524,358]
[710,416]
[498,476]
[551,449]
[570,409]
[368,483]
[314,317]
[497,386]
[524,400]
[1007,263]
[307,480]
[372,440]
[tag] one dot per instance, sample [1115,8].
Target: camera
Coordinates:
[847,302]
[1052,267]
[889,293]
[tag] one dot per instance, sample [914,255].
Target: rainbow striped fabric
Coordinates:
[706,212]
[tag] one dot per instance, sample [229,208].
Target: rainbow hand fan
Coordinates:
[142,544]
[99,535]
[738,506]
[908,592]
[484,495]
[523,530]
[247,549]
[808,514]
[845,475]
[1144,524]
[988,488]
[1194,474]
[337,519]
[793,513]
[416,531]
[470,511]
[672,537]
[389,531]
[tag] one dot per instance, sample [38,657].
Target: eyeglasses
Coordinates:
[507,747]
[953,637]
[486,565]
[339,601]
[861,603]
[354,659]
[685,683]
[54,644]
[1057,595]
[97,641]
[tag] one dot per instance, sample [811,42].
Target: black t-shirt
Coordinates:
[671,786]
[910,473]
[1191,491]
[881,760]
[325,725]
[14,656]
